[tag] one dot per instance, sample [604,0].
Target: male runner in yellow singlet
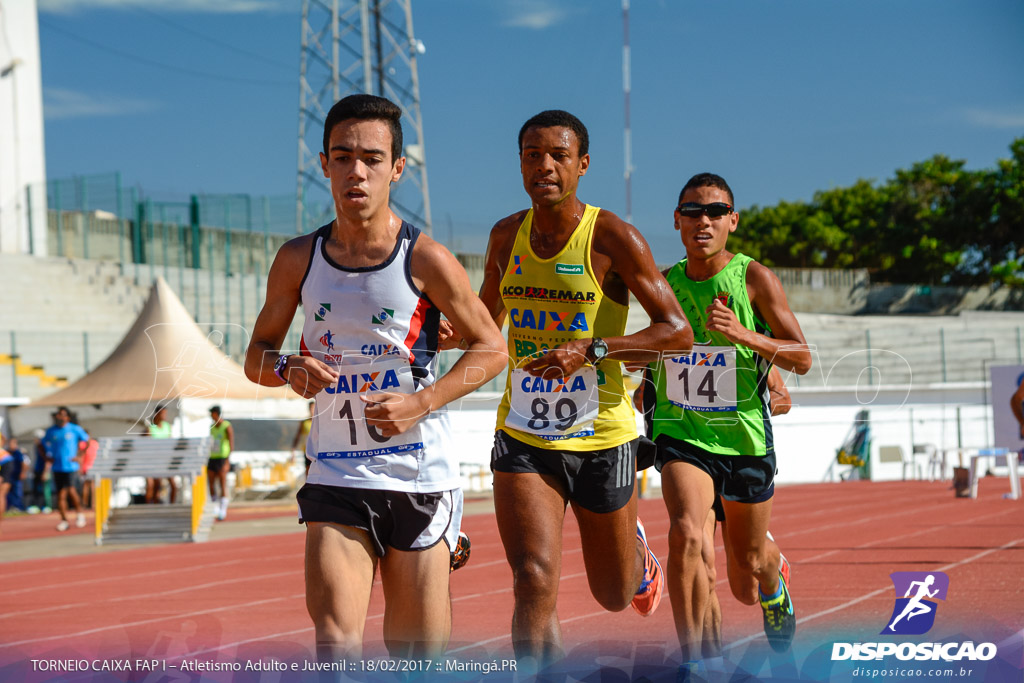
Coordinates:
[561,273]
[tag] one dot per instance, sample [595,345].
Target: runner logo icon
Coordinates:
[914,612]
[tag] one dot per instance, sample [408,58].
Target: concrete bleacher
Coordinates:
[902,349]
[69,314]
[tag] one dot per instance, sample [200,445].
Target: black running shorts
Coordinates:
[217,464]
[598,481]
[741,478]
[65,480]
[393,519]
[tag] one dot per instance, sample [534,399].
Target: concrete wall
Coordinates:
[22,158]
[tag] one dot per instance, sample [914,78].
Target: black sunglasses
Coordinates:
[712,210]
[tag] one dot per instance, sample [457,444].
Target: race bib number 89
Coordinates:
[554,409]
[342,428]
[703,380]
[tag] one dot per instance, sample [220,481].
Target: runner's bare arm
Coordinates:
[787,348]
[780,400]
[499,247]
[307,376]
[499,251]
[626,254]
[633,262]
[444,281]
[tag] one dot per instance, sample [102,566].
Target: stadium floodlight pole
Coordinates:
[358,46]
[628,136]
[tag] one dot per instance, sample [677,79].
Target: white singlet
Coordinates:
[380,333]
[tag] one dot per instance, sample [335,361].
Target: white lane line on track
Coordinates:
[202,586]
[880,591]
[167,617]
[140,575]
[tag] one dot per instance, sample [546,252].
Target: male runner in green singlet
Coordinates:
[711,418]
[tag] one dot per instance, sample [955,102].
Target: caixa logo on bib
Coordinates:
[914,612]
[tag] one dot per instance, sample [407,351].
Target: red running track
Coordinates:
[243,598]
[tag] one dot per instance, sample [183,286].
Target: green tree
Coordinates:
[936,222]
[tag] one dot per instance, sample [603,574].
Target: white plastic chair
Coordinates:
[936,462]
[889,454]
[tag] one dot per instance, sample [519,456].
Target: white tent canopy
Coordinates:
[165,358]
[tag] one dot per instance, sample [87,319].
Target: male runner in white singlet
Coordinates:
[383,486]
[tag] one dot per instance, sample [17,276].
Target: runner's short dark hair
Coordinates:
[366,108]
[557,118]
[707,180]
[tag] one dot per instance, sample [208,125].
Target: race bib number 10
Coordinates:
[554,409]
[341,426]
[703,380]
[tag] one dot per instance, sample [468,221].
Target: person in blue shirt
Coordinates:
[6,466]
[62,443]
[16,494]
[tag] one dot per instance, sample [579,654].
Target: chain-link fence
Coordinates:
[96,217]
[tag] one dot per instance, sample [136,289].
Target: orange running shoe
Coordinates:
[460,556]
[648,596]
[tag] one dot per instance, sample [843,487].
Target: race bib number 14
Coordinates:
[703,380]
[554,409]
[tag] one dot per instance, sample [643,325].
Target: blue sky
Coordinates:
[782,98]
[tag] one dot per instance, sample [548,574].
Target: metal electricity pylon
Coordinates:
[358,46]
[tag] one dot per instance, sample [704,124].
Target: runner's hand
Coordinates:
[561,361]
[448,337]
[722,319]
[309,376]
[392,413]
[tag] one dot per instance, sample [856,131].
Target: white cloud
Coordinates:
[212,6]
[991,118]
[533,15]
[62,103]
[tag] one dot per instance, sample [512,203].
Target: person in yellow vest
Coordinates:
[160,428]
[222,444]
[561,273]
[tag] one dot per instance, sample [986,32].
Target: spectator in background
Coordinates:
[41,490]
[302,434]
[62,442]
[221,445]
[89,452]
[6,468]
[16,494]
[160,428]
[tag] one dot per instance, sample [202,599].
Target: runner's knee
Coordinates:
[685,539]
[534,580]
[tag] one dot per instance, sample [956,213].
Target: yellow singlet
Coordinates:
[550,302]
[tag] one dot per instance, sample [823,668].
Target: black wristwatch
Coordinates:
[598,350]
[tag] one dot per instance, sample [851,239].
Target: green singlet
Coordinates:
[715,397]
